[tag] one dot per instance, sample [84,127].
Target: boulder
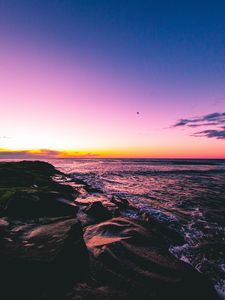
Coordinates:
[98,212]
[122,203]
[34,205]
[134,259]
[28,189]
[42,259]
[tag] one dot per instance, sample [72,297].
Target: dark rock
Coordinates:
[28,189]
[33,205]
[120,202]
[87,200]
[93,291]
[136,260]
[172,236]
[97,211]
[24,173]
[44,259]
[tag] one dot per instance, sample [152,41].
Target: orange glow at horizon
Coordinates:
[111,153]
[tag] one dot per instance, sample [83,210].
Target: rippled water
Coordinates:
[188,195]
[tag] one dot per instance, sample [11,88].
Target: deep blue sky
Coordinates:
[185,38]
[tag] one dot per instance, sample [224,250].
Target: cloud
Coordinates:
[42,154]
[214,120]
[212,133]
[27,154]
[206,120]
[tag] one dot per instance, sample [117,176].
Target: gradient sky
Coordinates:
[74,74]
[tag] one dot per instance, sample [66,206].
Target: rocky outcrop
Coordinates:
[136,260]
[121,203]
[34,205]
[95,208]
[28,190]
[98,212]
[42,258]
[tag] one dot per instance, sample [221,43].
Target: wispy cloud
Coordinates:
[42,154]
[206,120]
[211,133]
[214,120]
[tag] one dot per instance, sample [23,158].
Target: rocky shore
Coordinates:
[60,239]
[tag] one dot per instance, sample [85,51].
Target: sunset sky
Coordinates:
[113,78]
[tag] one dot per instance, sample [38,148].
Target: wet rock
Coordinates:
[89,199]
[97,211]
[25,173]
[38,260]
[136,260]
[104,199]
[27,205]
[120,202]
[88,188]
[171,236]
[93,291]
[27,189]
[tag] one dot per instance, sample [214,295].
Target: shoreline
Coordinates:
[101,232]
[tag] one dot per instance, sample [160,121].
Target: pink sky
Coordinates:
[51,100]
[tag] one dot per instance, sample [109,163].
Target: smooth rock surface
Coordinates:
[41,258]
[97,211]
[129,257]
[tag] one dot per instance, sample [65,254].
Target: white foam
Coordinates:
[220,288]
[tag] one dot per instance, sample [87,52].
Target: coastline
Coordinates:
[88,245]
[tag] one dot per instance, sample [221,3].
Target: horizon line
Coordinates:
[116,158]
